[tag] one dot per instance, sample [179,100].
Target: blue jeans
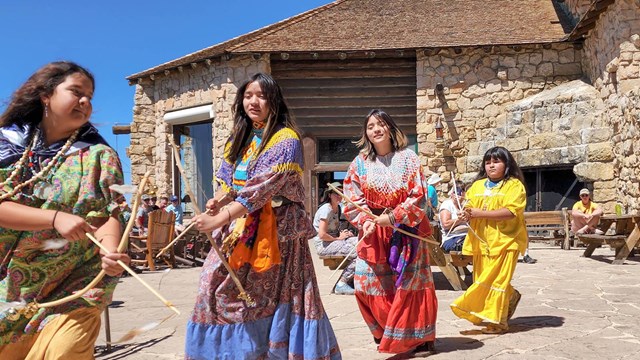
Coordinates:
[453,244]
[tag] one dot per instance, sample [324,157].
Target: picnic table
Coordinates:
[624,237]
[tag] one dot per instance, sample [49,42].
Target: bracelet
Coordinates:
[392,219]
[53,221]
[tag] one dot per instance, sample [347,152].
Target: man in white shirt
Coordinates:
[331,241]
[176,208]
[453,230]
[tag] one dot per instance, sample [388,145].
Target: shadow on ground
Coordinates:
[443,345]
[126,350]
[441,282]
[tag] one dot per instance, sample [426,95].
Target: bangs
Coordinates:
[496,153]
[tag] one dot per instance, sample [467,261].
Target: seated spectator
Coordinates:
[453,230]
[162,204]
[125,211]
[432,195]
[585,215]
[152,202]
[176,208]
[142,217]
[331,241]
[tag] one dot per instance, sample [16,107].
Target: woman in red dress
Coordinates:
[393,281]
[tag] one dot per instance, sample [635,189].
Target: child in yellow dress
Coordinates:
[495,212]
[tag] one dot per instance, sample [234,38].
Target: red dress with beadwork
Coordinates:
[393,281]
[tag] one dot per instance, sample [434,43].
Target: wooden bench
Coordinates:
[625,239]
[552,221]
[458,260]
[333,261]
[594,241]
[452,265]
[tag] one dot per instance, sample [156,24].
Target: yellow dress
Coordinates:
[495,245]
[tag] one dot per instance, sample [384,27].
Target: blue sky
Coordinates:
[117,38]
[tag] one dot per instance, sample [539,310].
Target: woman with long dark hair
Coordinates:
[55,173]
[393,282]
[258,217]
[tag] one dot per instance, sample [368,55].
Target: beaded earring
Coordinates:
[46,110]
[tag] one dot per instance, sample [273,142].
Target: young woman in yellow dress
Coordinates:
[495,212]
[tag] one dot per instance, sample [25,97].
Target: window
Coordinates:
[551,188]
[196,151]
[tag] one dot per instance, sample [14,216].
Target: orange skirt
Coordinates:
[68,336]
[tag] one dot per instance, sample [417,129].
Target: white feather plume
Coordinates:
[53,244]
[11,306]
[124,189]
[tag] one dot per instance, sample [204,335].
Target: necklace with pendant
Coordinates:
[45,189]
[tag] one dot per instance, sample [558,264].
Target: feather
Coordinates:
[131,334]
[11,307]
[44,245]
[137,331]
[53,244]
[124,189]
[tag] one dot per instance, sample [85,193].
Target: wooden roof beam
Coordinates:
[121,129]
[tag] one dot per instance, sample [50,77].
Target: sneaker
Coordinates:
[529,260]
[344,289]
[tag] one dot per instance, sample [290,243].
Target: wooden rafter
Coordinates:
[589,19]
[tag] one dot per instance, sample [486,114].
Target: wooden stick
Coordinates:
[243,294]
[134,210]
[349,254]
[429,240]
[136,276]
[183,233]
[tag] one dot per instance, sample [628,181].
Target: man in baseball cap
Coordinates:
[585,215]
[176,208]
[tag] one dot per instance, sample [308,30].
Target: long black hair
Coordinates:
[511,170]
[278,115]
[25,106]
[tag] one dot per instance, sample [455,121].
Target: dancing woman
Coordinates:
[55,173]
[393,281]
[264,229]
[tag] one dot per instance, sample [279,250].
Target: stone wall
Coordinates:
[612,61]
[189,86]
[564,125]
[479,86]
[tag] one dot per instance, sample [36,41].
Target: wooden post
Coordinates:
[565,219]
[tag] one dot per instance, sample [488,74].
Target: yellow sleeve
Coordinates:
[516,197]
[578,206]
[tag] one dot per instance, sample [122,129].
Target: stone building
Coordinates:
[556,82]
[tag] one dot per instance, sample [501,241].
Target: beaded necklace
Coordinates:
[36,176]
